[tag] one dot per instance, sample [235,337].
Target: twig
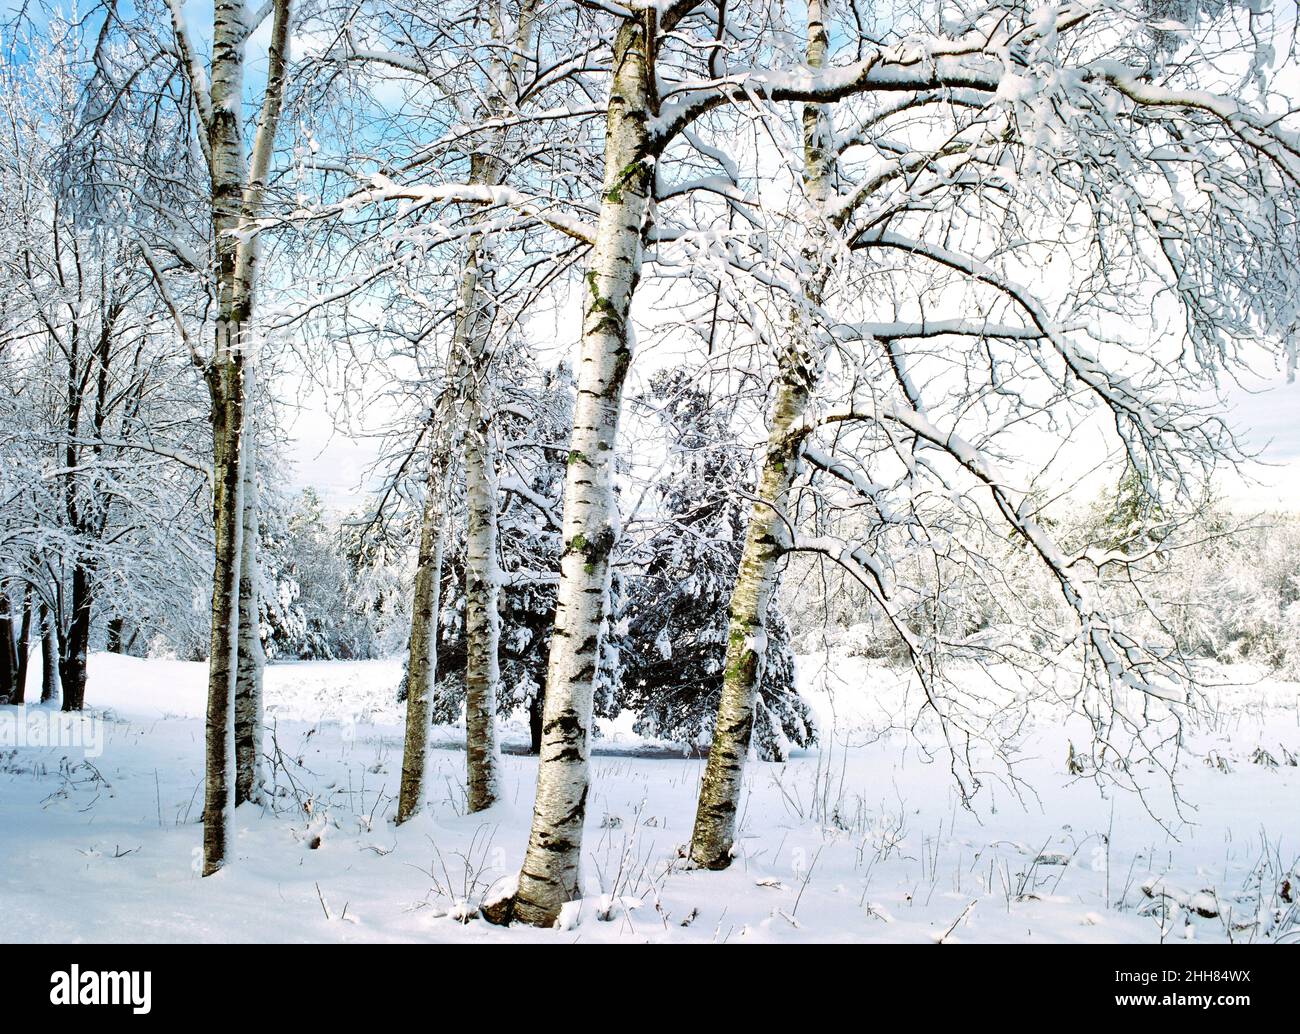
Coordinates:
[324,907]
[957,922]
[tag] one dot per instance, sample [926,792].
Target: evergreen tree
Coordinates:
[533,423]
[676,612]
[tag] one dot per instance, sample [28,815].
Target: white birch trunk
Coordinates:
[251,658]
[422,659]
[714,834]
[550,874]
[482,621]
[236,193]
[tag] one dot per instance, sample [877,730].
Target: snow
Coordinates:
[862,839]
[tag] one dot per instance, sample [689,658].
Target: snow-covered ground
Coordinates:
[861,840]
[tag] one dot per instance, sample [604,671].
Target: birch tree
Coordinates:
[481,87]
[1061,84]
[238,182]
[799,367]
[549,877]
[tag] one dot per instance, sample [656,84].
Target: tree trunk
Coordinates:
[24,650]
[468,380]
[228,520]
[252,658]
[76,643]
[422,663]
[8,656]
[719,801]
[113,642]
[715,818]
[482,621]
[535,708]
[236,198]
[472,370]
[49,656]
[550,874]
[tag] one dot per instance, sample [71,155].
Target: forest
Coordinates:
[804,446]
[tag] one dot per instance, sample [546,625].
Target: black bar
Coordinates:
[336,984]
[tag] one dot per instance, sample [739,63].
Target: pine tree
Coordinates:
[676,614]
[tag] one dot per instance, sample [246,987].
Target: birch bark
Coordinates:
[236,197]
[550,874]
[482,758]
[421,667]
[482,621]
[251,657]
[461,416]
[714,834]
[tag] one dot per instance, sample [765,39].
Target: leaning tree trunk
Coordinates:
[422,661]
[49,656]
[715,818]
[251,658]
[550,874]
[719,801]
[225,376]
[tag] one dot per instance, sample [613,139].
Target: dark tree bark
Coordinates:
[535,708]
[114,642]
[19,695]
[76,640]
[8,657]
